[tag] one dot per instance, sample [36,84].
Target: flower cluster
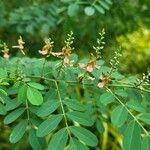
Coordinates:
[66,50]
[20,45]
[5,51]
[48,47]
[89,66]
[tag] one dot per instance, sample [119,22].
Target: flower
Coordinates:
[65,54]
[6,55]
[90,66]
[44,50]
[5,52]
[20,45]
[47,48]
[103,82]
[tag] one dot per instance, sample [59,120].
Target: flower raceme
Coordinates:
[90,66]
[20,45]
[103,81]
[6,52]
[47,48]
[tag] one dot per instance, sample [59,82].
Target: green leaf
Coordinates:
[119,115]
[73,9]
[76,145]
[48,107]
[132,137]
[2,110]
[99,9]
[89,11]
[12,104]
[104,4]
[59,140]
[107,98]
[145,143]
[35,85]
[13,115]
[121,92]
[3,73]
[22,93]
[81,118]
[34,96]
[49,125]
[45,28]
[135,106]
[35,142]
[109,1]
[74,105]
[4,92]
[100,126]
[145,118]
[18,131]
[84,135]
[134,94]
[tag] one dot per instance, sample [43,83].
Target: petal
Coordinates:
[90,78]
[57,53]
[43,52]
[82,65]
[89,68]
[66,60]
[101,84]
[97,67]
[6,55]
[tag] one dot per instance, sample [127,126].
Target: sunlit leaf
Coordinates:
[34,96]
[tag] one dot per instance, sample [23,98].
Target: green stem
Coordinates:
[91,84]
[63,111]
[145,131]
[129,86]
[42,74]
[27,108]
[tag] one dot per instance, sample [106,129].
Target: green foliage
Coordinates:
[63,104]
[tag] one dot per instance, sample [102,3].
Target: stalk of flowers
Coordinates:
[90,66]
[47,48]
[65,53]
[20,45]
[6,54]
[103,81]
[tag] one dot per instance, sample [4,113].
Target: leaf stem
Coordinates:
[63,111]
[145,131]
[27,108]
[91,84]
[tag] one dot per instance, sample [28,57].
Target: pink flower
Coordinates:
[43,52]
[57,53]
[6,55]
[103,82]
[90,66]
[82,65]
[64,54]
[66,60]
[20,45]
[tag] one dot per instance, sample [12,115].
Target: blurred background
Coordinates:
[126,22]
